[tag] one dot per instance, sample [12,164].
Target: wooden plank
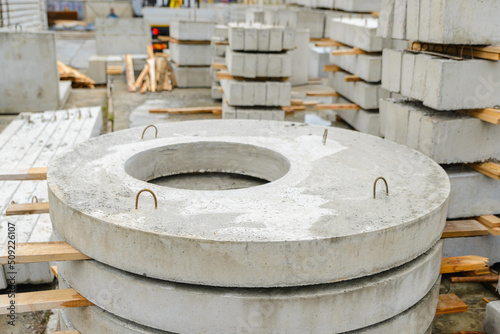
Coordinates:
[129,72]
[322,93]
[297,102]
[493,230]
[35,173]
[349,52]
[338,106]
[173,40]
[222,75]
[114,69]
[490,169]
[487,52]
[54,271]
[140,78]
[490,115]
[489,278]
[463,263]
[219,66]
[44,300]
[463,228]
[222,43]
[151,53]
[329,43]
[291,109]
[450,303]
[489,220]
[27,209]
[352,78]
[35,252]
[191,110]
[331,68]
[72,331]
[145,85]
[310,103]
[152,74]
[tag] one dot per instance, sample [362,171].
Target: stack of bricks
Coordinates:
[259,65]
[449,83]
[190,52]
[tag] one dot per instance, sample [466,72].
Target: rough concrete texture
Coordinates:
[318,58]
[367,6]
[216,93]
[452,21]
[335,14]
[259,37]
[262,65]
[29,81]
[314,20]
[191,54]
[218,49]
[284,233]
[256,93]
[442,84]
[361,120]
[443,136]
[367,66]
[192,30]
[300,58]
[192,76]
[328,308]
[360,33]
[221,31]
[472,193]
[364,94]
[122,36]
[392,19]
[492,318]
[281,17]
[487,246]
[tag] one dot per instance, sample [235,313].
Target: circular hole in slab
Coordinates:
[208,166]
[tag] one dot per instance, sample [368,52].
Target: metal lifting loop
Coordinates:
[149,191]
[147,127]
[325,135]
[34,199]
[375,187]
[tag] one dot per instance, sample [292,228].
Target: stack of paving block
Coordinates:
[219,45]
[259,65]
[190,52]
[357,70]
[450,81]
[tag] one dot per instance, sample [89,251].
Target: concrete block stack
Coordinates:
[358,70]
[443,90]
[219,45]
[260,64]
[191,52]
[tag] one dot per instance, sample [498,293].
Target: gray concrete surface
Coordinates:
[122,36]
[185,30]
[367,66]
[425,215]
[492,318]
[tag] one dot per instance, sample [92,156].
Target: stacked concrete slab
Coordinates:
[259,60]
[191,52]
[250,253]
[436,89]
[219,45]
[122,36]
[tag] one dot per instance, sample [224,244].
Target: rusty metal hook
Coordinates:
[34,198]
[325,135]
[147,127]
[375,187]
[140,192]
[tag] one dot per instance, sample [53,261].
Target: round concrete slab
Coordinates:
[90,320]
[327,308]
[315,222]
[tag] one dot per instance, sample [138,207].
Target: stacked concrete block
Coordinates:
[367,66]
[191,52]
[318,58]
[219,45]
[492,318]
[441,21]
[256,54]
[122,36]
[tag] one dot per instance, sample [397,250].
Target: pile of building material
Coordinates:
[259,66]
[156,76]
[448,110]
[78,80]
[190,52]
[29,143]
[227,249]
[219,45]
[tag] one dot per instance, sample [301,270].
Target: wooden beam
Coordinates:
[192,110]
[152,74]
[329,44]
[54,271]
[450,303]
[338,106]
[463,228]
[489,278]
[490,169]
[331,68]
[36,173]
[114,69]
[322,93]
[489,220]
[463,263]
[348,52]
[222,75]
[44,300]
[173,40]
[27,209]
[297,102]
[222,43]
[129,72]
[140,78]
[352,78]
[219,66]
[150,51]
[292,109]
[490,115]
[485,52]
[34,252]
[310,103]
